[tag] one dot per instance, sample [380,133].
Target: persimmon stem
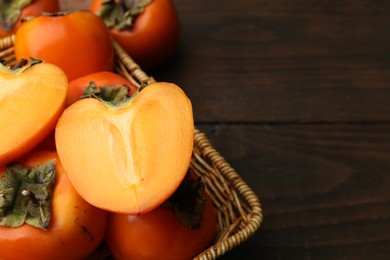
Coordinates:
[19,64]
[36,203]
[111,96]
[32,197]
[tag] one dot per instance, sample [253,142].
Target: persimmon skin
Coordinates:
[154,36]
[75,230]
[35,8]
[102,78]
[159,234]
[30,104]
[78,42]
[131,159]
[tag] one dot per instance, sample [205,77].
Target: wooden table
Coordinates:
[296,96]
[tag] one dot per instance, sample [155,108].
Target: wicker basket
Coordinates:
[238,207]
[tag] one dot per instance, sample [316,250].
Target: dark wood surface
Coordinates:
[295,94]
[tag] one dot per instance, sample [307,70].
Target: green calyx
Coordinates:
[10,11]
[187,202]
[26,195]
[20,66]
[120,14]
[113,97]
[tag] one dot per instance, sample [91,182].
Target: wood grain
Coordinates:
[324,188]
[284,60]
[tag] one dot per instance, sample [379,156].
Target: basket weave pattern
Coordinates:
[237,206]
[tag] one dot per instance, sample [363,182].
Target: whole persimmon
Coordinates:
[149,31]
[179,229]
[42,215]
[78,42]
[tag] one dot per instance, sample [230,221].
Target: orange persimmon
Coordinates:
[128,157]
[149,31]
[101,78]
[181,228]
[78,42]
[32,99]
[66,227]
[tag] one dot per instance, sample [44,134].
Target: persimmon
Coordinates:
[149,31]
[45,218]
[32,99]
[78,42]
[130,154]
[181,228]
[101,78]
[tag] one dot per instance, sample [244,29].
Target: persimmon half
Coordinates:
[127,157]
[32,99]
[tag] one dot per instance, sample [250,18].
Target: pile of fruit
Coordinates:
[86,156]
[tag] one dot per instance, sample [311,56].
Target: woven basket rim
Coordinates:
[253,219]
[206,158]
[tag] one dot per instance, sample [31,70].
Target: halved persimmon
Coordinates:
[129,155]
[32,99]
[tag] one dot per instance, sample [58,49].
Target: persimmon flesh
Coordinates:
[31,101]
[131,158]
